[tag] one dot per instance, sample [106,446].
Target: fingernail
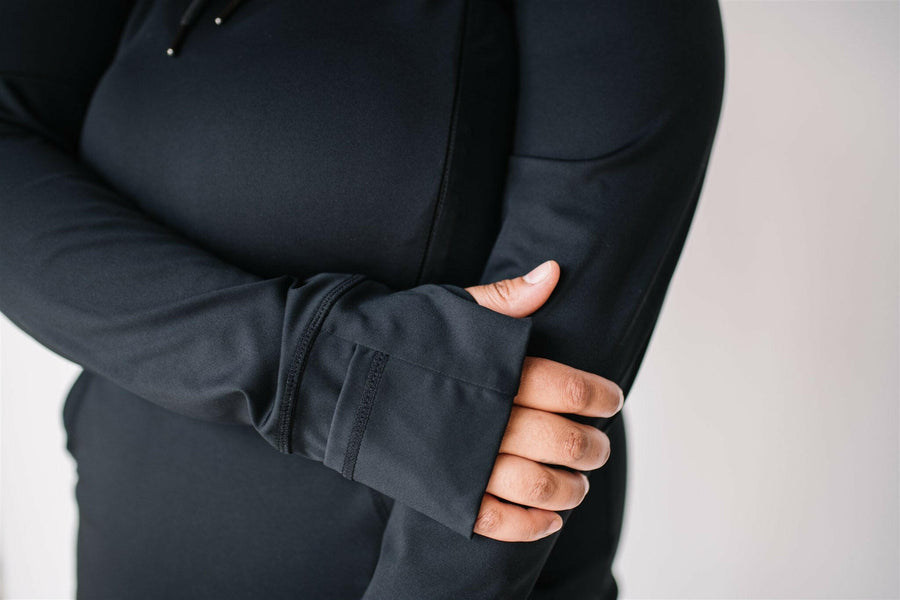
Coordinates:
[539,273]
[621,400]
[555,526]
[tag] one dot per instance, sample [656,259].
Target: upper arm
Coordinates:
[618,104]
[595,74]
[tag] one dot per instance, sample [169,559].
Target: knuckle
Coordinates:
[576,393]
[575,444]
[489,520]
[502,290]
[536,530]
[542,488]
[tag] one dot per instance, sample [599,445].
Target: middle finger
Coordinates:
[554,439]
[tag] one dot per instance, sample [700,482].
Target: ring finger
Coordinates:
[526,482]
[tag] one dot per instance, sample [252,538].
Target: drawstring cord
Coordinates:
[225,13]
[190,15]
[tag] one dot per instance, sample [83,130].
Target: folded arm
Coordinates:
[93,278]
[617,110]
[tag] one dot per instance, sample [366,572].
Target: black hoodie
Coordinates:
[189,16]
[256,248]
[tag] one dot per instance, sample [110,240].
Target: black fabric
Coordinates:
[257,248]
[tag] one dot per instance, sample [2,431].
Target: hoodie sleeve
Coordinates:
[94,279]
[617,110]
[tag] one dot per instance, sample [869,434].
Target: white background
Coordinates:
[763,425]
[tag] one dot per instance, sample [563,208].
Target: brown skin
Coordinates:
[525,488]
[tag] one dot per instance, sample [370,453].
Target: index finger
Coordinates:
[556,387]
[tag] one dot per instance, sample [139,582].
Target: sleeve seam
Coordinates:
[363,410]
[412,362]
[644,132]
[300,356]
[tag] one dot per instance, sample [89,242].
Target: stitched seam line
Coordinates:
[300,356]
[451,144]
[363,410]
[426,367]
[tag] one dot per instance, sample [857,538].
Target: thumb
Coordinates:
[519,297]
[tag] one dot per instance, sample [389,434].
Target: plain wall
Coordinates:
[763,425]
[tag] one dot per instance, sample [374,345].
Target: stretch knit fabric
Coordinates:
[256,247]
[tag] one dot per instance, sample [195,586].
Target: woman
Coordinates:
[252,228]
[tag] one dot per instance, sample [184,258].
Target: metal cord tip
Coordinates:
[226,12]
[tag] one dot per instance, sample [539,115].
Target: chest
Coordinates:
[301,137]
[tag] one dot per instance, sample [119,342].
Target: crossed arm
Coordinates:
[618,107]
[617,111]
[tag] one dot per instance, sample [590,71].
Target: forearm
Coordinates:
[617,111]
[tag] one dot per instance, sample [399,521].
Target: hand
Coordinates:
[536,434]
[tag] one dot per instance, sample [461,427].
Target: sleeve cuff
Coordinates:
[425,396]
